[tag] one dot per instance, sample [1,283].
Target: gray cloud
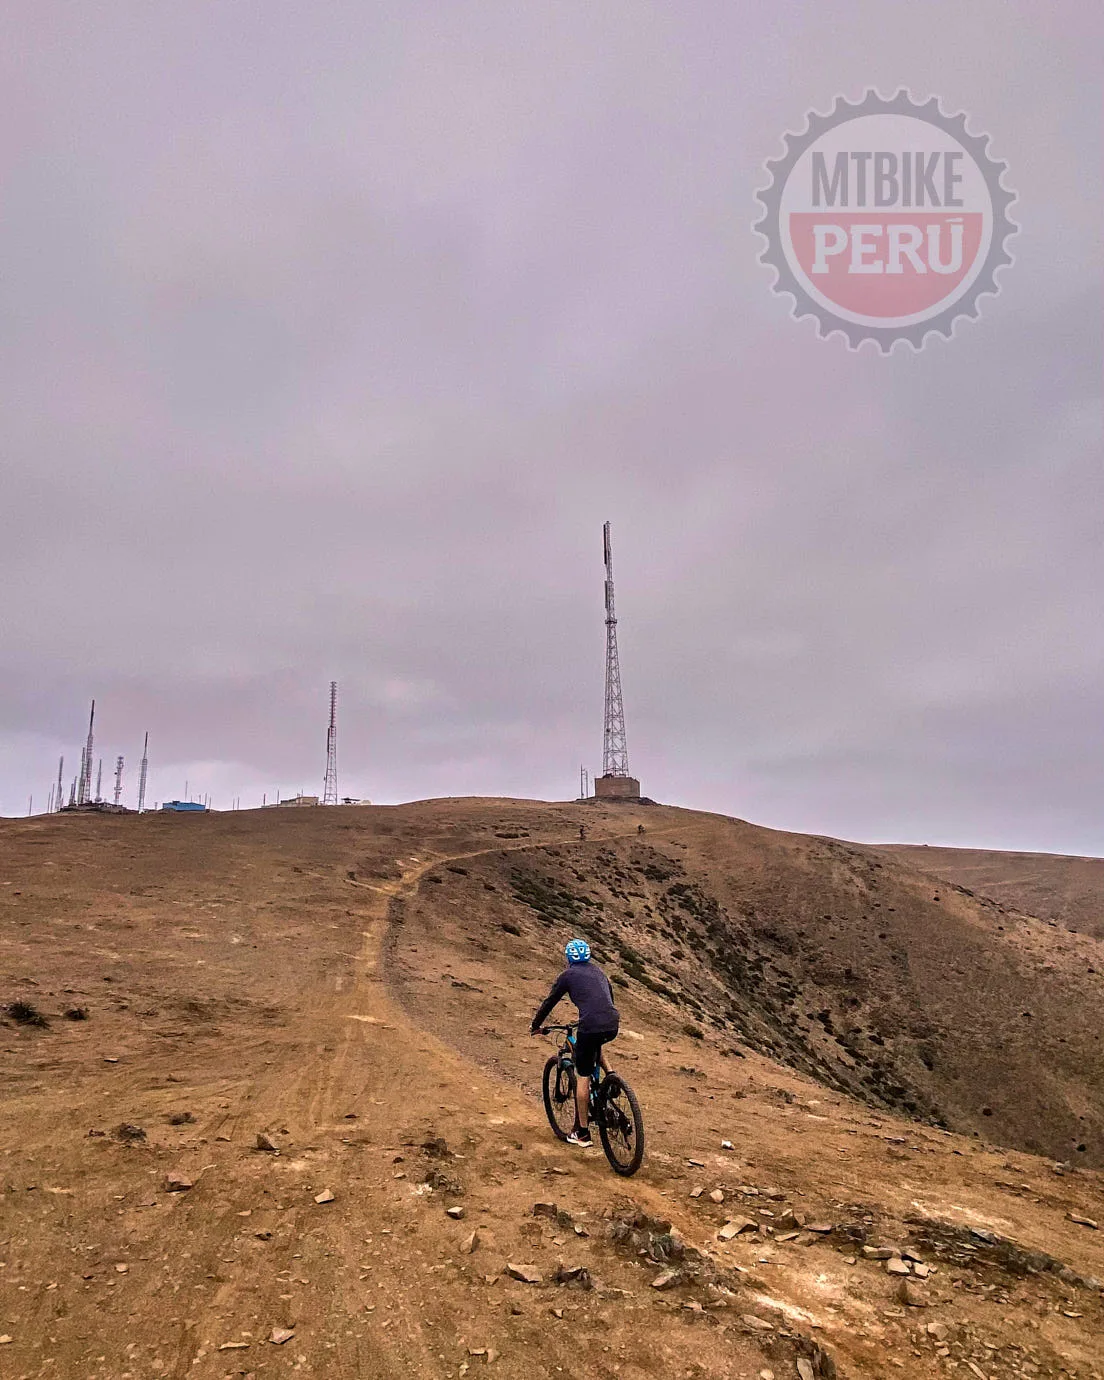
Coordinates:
[329,337]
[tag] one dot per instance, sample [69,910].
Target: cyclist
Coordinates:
[599,1020]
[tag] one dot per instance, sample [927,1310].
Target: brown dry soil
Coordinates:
[358,983]
[1067,891]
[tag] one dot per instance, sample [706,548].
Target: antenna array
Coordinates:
[329,789]
[615,753]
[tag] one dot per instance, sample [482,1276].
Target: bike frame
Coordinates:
[567,1046]
[613,1120]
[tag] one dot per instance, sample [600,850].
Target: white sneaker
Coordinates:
[578,1138]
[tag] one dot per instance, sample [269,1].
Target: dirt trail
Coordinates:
[336,981]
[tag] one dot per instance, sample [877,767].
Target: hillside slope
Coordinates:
[831,959]
[1069,891]
[349,983]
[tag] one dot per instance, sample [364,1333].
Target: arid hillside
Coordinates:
[270,1105]
[831,959]
[1069,891]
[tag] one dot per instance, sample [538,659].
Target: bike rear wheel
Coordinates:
[621,1125]
[559,1097]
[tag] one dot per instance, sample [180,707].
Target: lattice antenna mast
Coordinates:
[329,789]
[118,778]
[615,753]
[57,797]
[99,780]
[84,788]
[142,776]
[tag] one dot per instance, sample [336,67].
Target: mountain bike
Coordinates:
[613,1105]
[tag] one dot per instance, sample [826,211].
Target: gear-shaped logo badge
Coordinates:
[886,220]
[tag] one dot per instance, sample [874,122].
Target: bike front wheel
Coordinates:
[621,1126]
[559,1097]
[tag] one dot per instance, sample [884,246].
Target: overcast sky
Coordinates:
[331,334]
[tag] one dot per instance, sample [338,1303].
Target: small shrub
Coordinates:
[128,1133]
[181,1119]
[695,1032]
[76,1013]
[510,928]
[25,1013]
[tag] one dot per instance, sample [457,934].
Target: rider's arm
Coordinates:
[559,988]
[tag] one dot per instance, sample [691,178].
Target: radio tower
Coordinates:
[615,753]
[84,790]
[118,778]
[615,781]
[57,797]
[329,789]
[142,776]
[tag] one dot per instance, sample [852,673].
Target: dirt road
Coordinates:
[327,980]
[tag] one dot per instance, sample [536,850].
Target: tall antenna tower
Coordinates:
[57,797]
[142,776]
[615,753]
[84,790]
[118,778]
[99,780]
[329,789]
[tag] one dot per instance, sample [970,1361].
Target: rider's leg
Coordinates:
[582,1102]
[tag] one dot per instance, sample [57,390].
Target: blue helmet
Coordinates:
[577,951]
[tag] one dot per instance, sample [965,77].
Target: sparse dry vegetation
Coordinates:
[842,1080]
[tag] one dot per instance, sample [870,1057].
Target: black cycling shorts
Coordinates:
[587,1049]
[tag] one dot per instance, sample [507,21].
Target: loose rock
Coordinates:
[756,1324]
[178,1183]
[732,1229]
[326,1196]
[279,1335]
[717,1196]
[456,1213]
[911,1295]
[525,1274]
[575,1276]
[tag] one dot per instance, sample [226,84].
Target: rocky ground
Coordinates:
[281,1116]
